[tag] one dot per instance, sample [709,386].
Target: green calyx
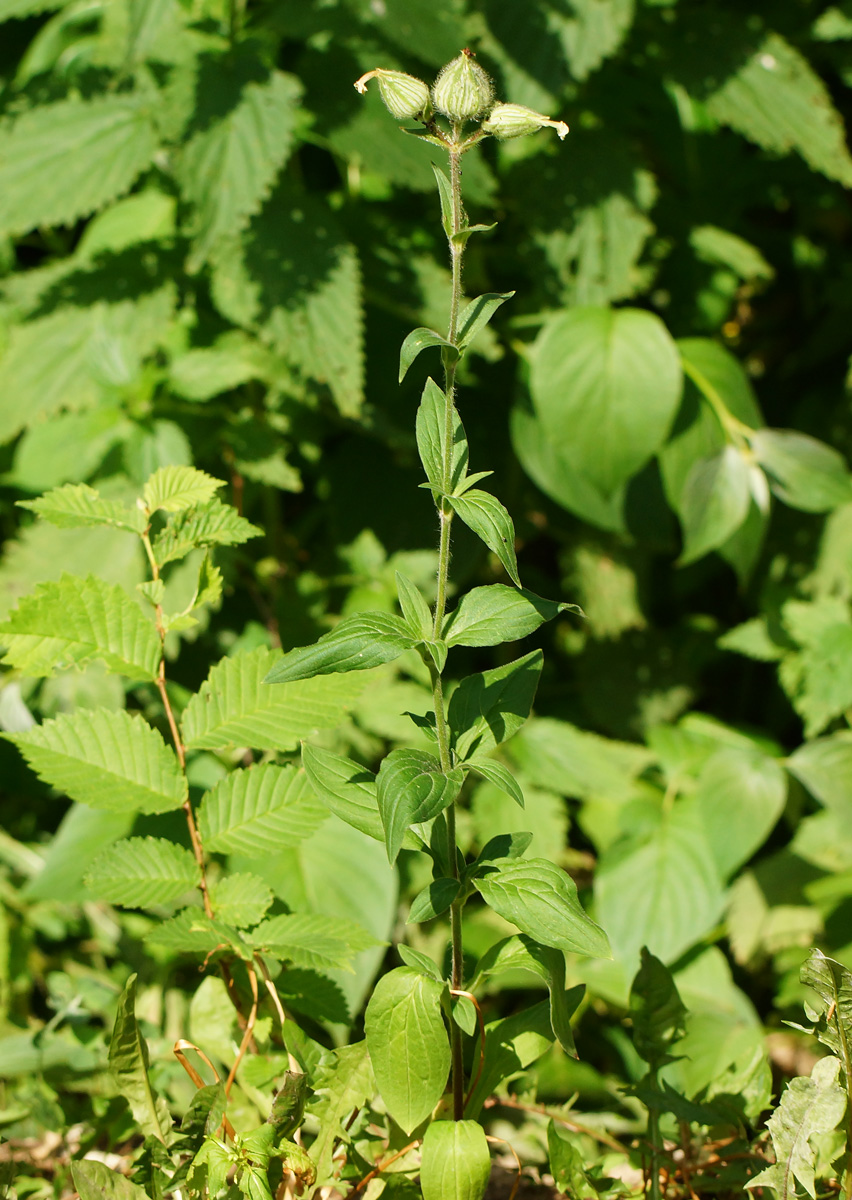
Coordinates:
[405,96]
[463,90]
[516,120]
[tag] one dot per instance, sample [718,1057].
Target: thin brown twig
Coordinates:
[178,1050]
[507,1102]
[481,1023]
[379,1167]
[247,1032]
[514,1153]
[293,1062]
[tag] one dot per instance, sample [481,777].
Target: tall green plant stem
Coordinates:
[445,515]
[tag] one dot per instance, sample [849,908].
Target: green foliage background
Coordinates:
[210,251]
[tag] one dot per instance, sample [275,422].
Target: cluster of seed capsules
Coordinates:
[462,92]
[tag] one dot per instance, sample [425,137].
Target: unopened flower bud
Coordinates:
[404,95]
[463,90]
[514,120]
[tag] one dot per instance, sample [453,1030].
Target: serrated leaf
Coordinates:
[94,1180]
[832,982]
[104,759]
[192,932]
[73,621]
[498,774]
[489,520]
[260,810]
[128,1064]
[142,872]
[343,1082]
[803,472]
[419,340]
[541,900]
[455,1163]
[312,940]
[714,503]
[60,161]
[175,488]
[75,506]
[487,616]
[359,642]
[209,524]
[240,899]
[408,1044]
[431,428]
[475,316]
[412,788]
[235,707]
[227,169]
[487,709]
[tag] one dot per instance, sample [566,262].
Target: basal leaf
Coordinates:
[235,707]
[567,1165]
[359,642]
[475,316]
[714,503]
[487,709]
[833,984]
[541,900]
[59,162]
[490,521]
[75,505]
[343,1083]
[210,524]
[431,428]
[142,872]
[803,472]
[104,759]
[312,939]
[455,1163]
[128,1064]
[412,788]
[487,616]
[94,1180]
[408,1044]
[72,621]
[174,488]
[258,810]
[417,341]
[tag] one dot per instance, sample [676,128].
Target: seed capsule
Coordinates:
[514,120]
[404,95]
[463,90]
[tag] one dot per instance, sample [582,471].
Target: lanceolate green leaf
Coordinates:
[487,517]
[487,616]
[541,900]
[76,505]
[357,643]
[486,709]
[235,707]
[475,316]
[511,1045]
[344,1082]
[76,620]
[498,774]
[59,162]
[260,810]
[347,788]
[106,760]
[455,1163]
[714,503]
[418,340]
[411,788]
[128,1064]
[803,472]
[431,428]
[408,1044]
[142,872]
[415,610]
[657,1011]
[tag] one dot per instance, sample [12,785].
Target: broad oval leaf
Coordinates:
[343,1082]
[359,642]
[541,900]
[258,810]
[142,872]
[489,520]
[408,1044]
[431,430]
[417,341]
[804,472]
[714,503]
[824,766]
[740,796]
[606,384]
[412,788]
[106,760]
[487,616]
[455,1163]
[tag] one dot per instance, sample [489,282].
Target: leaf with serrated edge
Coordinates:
[476,315]
[94,1180]
[192,932]
[489,520]
[259,810]
[174,488]
[431,428]
[105,759]
[128,1064]
[408,1044]
[240,899]
[210,524]
[541,900]
[76,505]
[487,616]
[455,1163]
[344,1082]
[359,642]
[417,341]
[72,621]
[235,707]
[142,872]
[312,940]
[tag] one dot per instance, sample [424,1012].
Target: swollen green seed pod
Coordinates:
[405,96]
[514,120]
[463,90]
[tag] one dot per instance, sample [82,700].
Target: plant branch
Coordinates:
[379,1167]
[540,1110]
[247,1032]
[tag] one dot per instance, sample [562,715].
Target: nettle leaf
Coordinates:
[105,759]
[487,616]
[76,505]
[431,429]
[235,707]
[142,872]
[357,643]
[809,1107]
[418,340]
[475,316]
[714,502]
[210,524]
[487,709]
[240,899]
[343,1082]
[313,940]
[346,787]
[498,774]
[433,900]
[455,1163]
[803,472]
[594,31]
[567,1166]
[72,621]
[128,1064]
[258,810]
[415,610]
[606,385]
[489,520]
[541,900]
[227,169]
[412,788]
[59,162]
[408,1044]
[656,1010]
[174,488]
[94,1180]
